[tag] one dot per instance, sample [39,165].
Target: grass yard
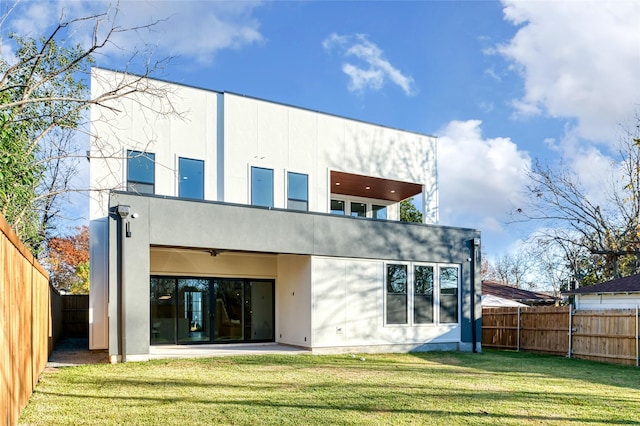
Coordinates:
[429,388]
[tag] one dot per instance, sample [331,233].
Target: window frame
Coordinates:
[180,177]
[252,195]
[407,266]
[368,202]
[132,184]
[434,296]
[440,299]
[411,295]
[291,199]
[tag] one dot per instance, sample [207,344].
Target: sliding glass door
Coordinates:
[218,310]
[193,322]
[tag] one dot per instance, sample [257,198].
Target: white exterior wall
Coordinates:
[192,133]
[263,134]
[348,309]
[607,301]
[99,278]
[293,300]
[256,133]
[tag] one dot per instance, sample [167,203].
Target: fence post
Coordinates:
[570,330]
[637,335]
[518,335]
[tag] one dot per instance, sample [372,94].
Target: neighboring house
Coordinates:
[499,295]
[621,293]
[244,220]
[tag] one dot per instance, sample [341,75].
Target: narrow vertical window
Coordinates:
[423,294]
[449,294]
[337,207]
[297,191]
[191,184]
[261,187]
[379,212]
[141,172]
[396,294]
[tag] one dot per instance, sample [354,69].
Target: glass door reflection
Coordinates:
[228,301]
[193,322]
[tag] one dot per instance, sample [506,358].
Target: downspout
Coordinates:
[476,254]
[123,212]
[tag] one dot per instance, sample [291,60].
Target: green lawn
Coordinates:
[430,388]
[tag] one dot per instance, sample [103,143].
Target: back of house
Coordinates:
[227,218]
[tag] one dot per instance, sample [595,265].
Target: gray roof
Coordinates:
[512,293]
[629,284]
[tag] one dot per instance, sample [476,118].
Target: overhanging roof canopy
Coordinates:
[372,187]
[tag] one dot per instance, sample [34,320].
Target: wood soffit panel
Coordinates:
[372,187]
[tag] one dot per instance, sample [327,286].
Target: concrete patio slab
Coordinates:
[199,351]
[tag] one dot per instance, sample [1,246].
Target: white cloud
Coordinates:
[373,70]
[196,30]
[579,59]
[480,179]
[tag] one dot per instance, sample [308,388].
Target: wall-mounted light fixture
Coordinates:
[123,211]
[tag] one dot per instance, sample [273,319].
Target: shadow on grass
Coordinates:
[171,403]
[542,365]
[446,387]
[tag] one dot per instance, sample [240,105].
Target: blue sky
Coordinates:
[499,82]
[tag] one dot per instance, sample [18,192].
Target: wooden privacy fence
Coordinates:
[29,313]
[75,315]
[606,335]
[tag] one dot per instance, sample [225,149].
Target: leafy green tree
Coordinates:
[409,212]
[44,102]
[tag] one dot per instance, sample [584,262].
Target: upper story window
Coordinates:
[191,184]
[141,174]
[378,212]
[261,187]
[337,207]
[358,210]
[297,191]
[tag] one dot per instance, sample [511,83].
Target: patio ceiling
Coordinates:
[372,187]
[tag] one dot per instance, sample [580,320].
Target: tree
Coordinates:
[409,212]
[599,233]
[68,261]
[44,99]
[513,270]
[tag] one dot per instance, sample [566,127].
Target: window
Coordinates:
[379,212]
[261,187]
[140,172]
[297,191]
[337,207]
[358,210]
[423,294]
[449,294]
[396,294]
[191,184]
[358,207]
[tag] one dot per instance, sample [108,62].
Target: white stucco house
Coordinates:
[246,220]
[620,293]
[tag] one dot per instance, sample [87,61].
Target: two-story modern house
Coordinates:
[245,220]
